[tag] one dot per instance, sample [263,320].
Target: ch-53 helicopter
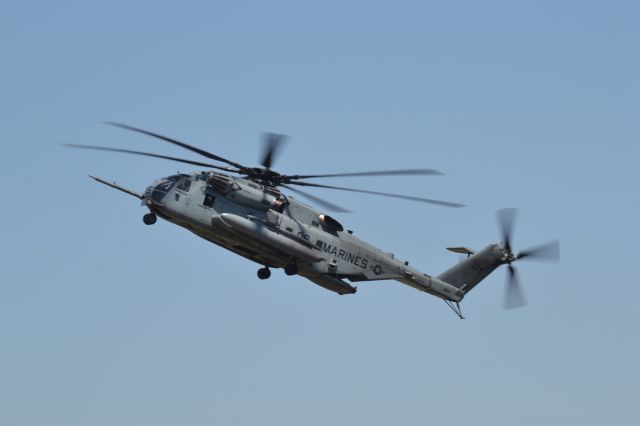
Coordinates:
[248,215]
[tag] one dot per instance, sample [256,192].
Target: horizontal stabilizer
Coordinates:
[462,250]
[118,187]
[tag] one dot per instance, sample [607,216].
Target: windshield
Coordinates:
[161,189]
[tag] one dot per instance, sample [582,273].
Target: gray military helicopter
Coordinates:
[247,214]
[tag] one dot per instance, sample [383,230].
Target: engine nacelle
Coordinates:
[252,196]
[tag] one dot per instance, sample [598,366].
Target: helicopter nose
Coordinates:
[146,196]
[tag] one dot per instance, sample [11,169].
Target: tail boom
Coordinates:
[468,273]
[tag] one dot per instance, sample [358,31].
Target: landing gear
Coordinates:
[455,307]
[291,269]
[149,219]
[264,273]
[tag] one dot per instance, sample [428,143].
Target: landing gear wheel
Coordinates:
[149,219]
[264,273]
[291,269]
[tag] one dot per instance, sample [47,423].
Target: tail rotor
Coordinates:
[549,251]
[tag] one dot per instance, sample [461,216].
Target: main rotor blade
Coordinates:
[148,154]
[404,172]
[549,251]
[513,296]
[178,143]
[506,218]
[272,144]
[322,202]
[384,194]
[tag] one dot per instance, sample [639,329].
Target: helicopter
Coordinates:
[244,211]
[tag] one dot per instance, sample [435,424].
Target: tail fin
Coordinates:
[467,274]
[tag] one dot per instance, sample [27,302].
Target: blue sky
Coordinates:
[529,104]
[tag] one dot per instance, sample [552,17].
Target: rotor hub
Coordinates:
[267,176]
[506,255]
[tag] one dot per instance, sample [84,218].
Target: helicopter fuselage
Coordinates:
[248,215]
[260,223]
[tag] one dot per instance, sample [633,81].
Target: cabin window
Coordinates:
[184,185]
[208,200]
[319,244]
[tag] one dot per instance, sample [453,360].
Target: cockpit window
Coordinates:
[164,186]
[161,190]
[184,184]
[173,178]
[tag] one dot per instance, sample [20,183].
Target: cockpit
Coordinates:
[164,185]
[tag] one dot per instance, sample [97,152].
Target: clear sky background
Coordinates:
[106,321]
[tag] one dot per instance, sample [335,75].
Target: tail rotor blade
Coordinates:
[506,219]
[549,251]
[513,297]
